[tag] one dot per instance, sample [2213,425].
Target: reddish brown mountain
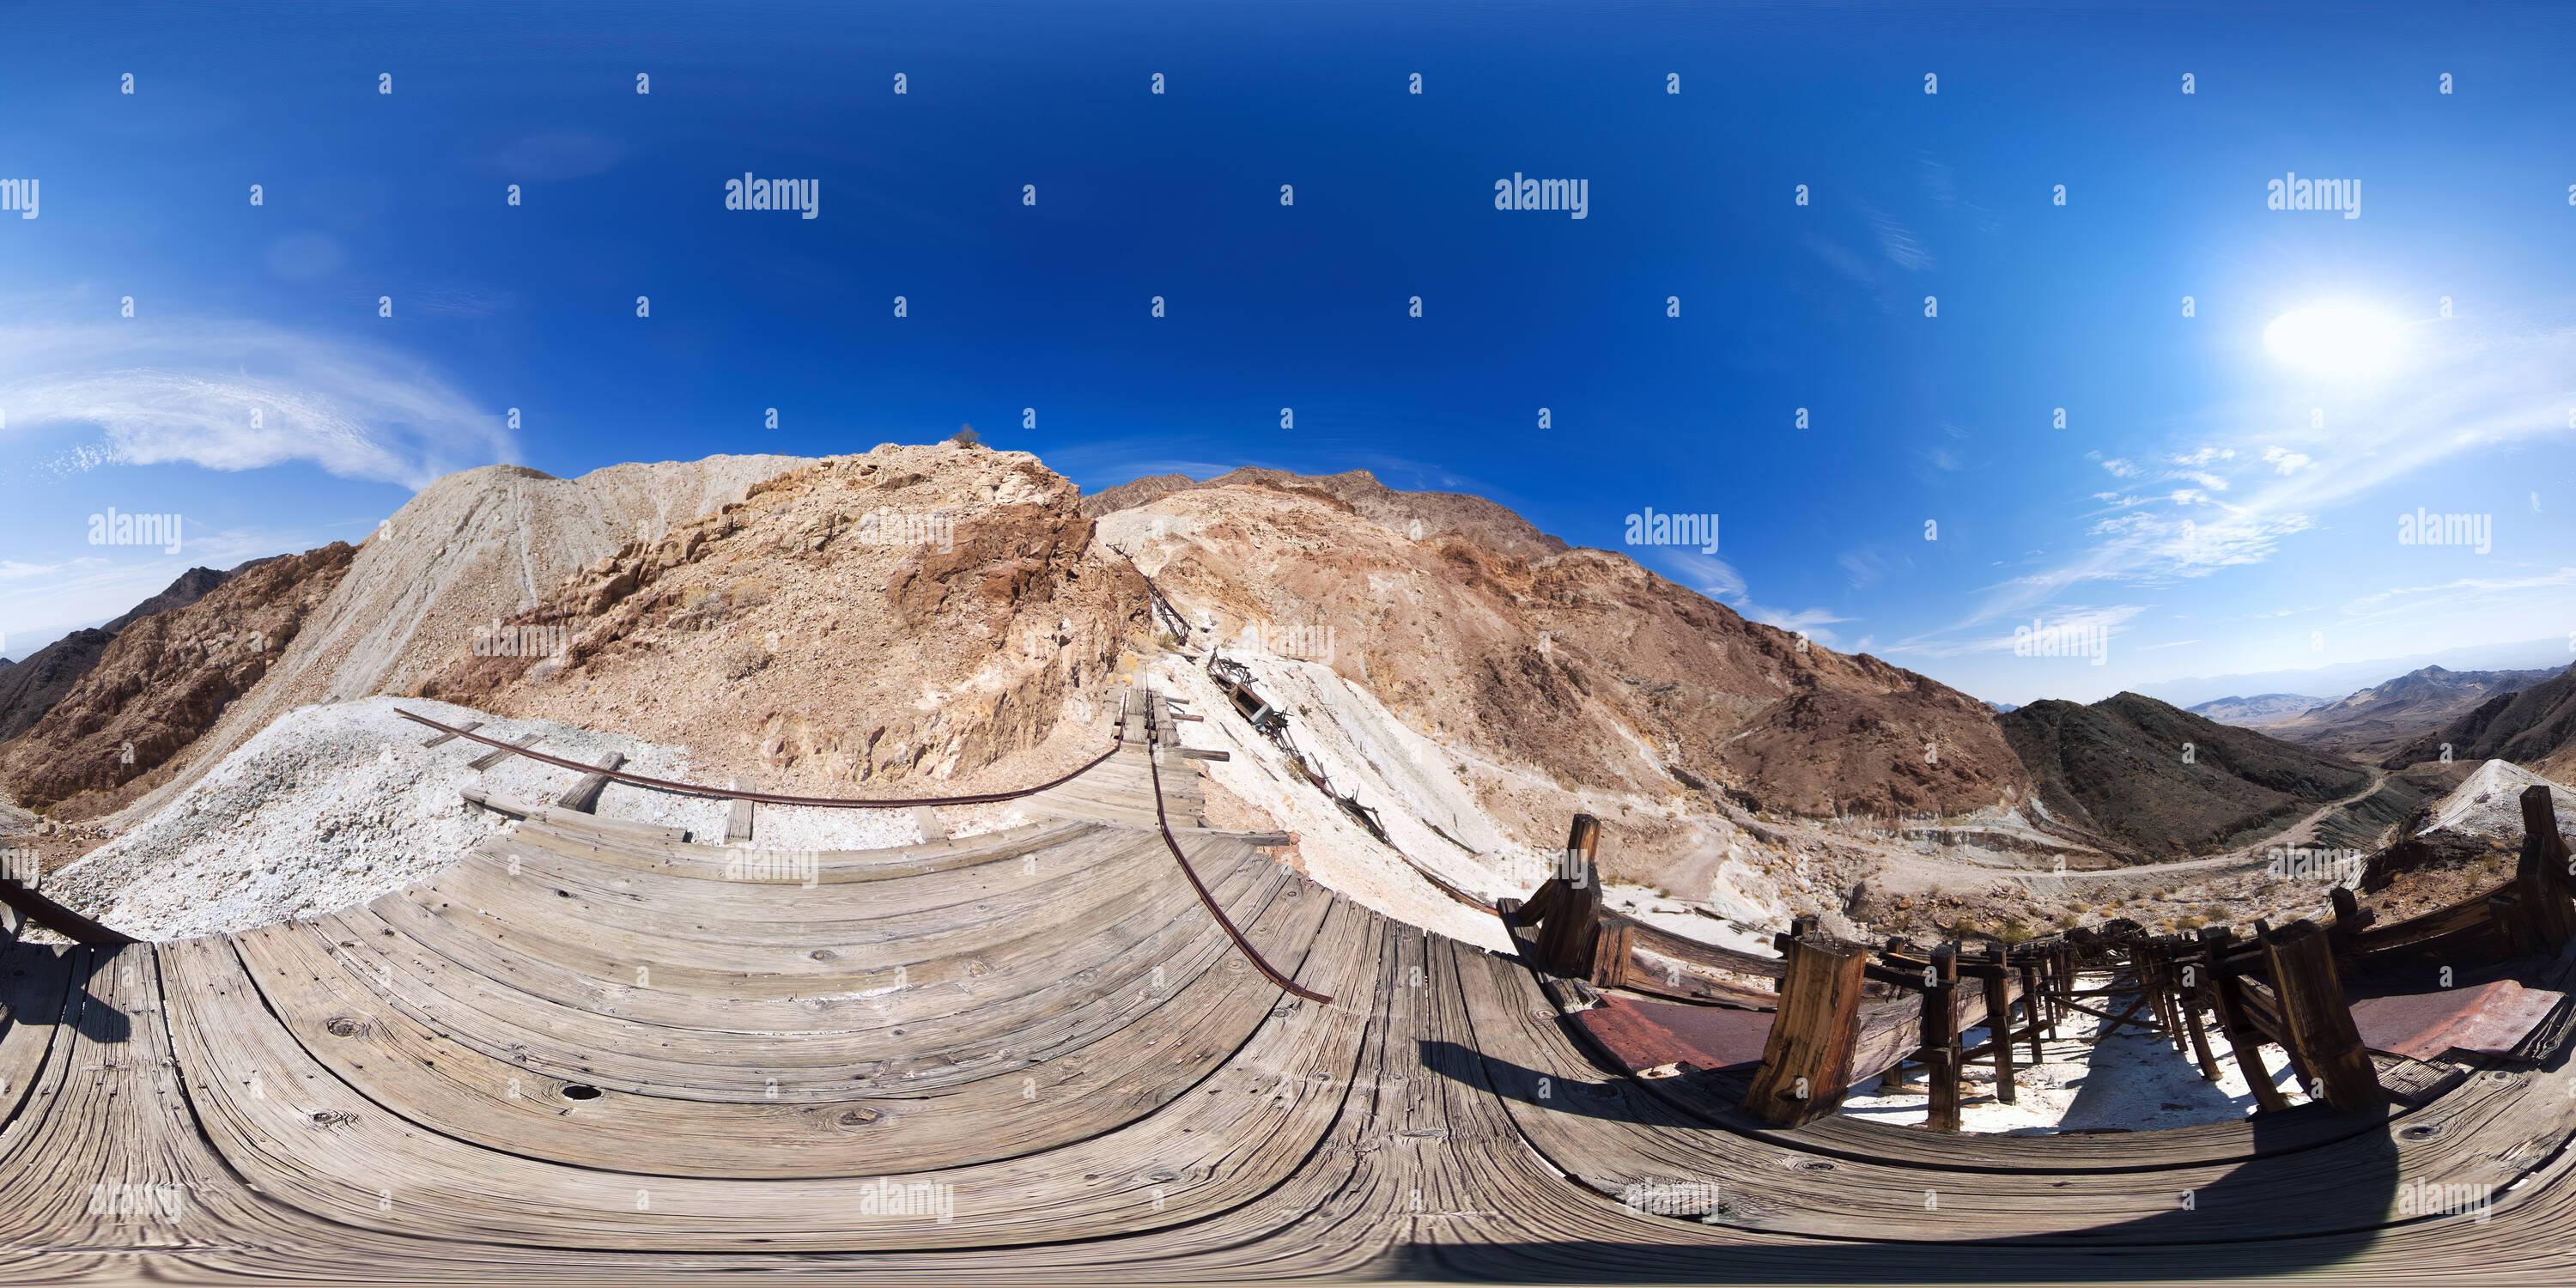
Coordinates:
[161,682]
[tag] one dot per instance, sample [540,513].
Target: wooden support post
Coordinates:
[2301,964]
[2240,1034]
[2032,1004]
[738,818]
[1941,1039]
[2345,935]
[1574,912]
[1999,1034]
[2187,999]
[1806,1062]
[2512,924]
[2544,882]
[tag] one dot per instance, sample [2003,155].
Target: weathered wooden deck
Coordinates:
[583,1052]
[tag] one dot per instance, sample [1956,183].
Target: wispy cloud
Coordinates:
[1719,580]
[242,395]
[2463,391]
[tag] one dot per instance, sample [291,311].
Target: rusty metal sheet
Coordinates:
[1647,1034]
[2489,1019]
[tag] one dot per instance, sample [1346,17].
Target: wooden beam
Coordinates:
[1807,1060]
[2226,1003]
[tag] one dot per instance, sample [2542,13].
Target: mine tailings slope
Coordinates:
[2141,778]
[471,547]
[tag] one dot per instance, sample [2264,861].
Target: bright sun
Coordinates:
[2343,339]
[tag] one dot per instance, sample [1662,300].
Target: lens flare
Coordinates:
[2341,339]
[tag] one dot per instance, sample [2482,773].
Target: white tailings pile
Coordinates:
[1431,816]
[2490,802]
[332,806]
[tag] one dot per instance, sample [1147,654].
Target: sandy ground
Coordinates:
[2132,1080]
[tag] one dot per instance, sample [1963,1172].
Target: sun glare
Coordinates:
[2343,339]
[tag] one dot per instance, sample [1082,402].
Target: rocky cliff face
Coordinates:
[1566,666]
[915,612]
[162,682]
[27,692]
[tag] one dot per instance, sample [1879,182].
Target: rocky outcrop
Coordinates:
[1357,492]
[911,612]
[1566,671]
[162,682]
[30,689]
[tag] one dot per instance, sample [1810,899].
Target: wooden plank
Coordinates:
[441,740]
[499,754]
[584,796]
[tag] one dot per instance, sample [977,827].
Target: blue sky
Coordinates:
[2214,507]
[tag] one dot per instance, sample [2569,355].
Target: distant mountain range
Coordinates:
[2372,724]
[2259,710]
[2344,677]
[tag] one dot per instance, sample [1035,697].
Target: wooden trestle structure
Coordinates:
[594,1050]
